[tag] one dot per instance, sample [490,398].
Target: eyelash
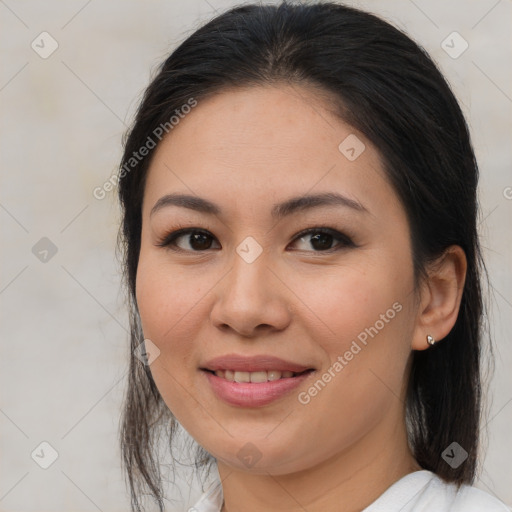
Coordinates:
[167,241]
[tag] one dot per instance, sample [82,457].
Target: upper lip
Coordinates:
[236,362]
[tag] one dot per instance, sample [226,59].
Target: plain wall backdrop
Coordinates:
[64,326]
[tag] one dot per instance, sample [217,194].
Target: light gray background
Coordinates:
[64,327]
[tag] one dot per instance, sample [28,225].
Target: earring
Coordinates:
[430,340]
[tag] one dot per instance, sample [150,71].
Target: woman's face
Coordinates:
[250,287]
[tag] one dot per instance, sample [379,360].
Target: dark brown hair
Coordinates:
[387,87]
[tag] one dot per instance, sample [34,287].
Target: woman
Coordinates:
[302,260]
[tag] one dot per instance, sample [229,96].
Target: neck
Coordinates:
[348,481]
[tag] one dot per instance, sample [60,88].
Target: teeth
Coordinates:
[242,377]
[261,376]
[258,376]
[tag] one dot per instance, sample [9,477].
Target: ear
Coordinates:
[441,294]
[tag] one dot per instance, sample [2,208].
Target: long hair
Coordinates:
[386,86]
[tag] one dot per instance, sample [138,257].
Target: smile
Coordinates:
[260,376]
[253,389]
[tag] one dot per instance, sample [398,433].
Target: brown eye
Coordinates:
[322,239]
[197,240]
[192,240]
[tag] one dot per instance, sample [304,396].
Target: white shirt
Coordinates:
[420,491]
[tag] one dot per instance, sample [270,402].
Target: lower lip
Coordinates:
[253,394]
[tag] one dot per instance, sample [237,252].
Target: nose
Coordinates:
[251,299]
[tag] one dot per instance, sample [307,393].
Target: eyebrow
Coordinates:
[280,210]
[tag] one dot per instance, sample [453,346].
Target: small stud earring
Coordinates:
[430,340]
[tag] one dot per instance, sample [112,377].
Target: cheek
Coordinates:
[366,314]
[348,301]
[168,303]
[365,357]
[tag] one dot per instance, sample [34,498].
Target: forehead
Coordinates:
[259,145]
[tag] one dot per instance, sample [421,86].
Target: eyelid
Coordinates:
[345,240]
[171,236]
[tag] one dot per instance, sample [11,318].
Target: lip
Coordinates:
[257,363]
[253,394]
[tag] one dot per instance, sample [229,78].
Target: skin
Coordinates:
[245,150]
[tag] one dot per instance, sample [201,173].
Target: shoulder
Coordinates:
[466,498]
[424,491]
[472,499]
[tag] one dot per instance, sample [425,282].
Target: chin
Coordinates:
[260,456]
